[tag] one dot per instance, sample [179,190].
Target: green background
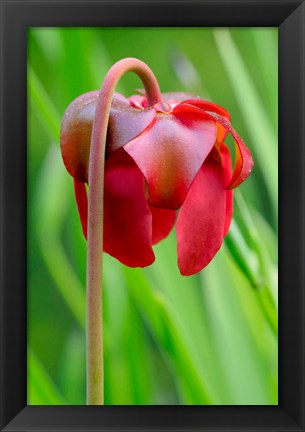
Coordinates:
[205,339]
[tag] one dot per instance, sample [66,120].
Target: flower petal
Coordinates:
[210,106]
[163,221]
[200,222]
[229,211]
[82,204]
[125,123]
[127,218]
[227,168]
[243,159]
[75,135]
[171,151]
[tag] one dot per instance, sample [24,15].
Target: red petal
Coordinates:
[209,106]
[126,123]
[82,204]
[170,153]
[229,211]
[243,159]
[201,219]
[127,218]
[75,135]
[162,223]
[227,168]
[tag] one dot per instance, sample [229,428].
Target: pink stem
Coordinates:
[95,374]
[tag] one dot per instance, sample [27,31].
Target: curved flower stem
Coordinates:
[94,334]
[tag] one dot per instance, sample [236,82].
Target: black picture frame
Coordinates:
[16,17]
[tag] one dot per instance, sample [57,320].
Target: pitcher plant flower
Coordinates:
[151,161]
[164,163]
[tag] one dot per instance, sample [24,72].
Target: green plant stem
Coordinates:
[94,333]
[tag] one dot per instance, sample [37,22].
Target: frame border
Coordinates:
[16,17]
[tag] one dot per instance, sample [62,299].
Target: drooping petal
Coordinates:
[226,162]
[75,135]
[200,222]
[127,218]
[171,151]
[125,123]
[163,221]
[82,204]
[243,159]
[210,106]
[229,211]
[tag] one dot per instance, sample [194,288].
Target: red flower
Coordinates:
[164,164]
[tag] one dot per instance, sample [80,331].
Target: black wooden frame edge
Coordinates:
[16,16]
[224,12]
[291,221]
[156,418]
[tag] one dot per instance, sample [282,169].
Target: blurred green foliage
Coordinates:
[206,339]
